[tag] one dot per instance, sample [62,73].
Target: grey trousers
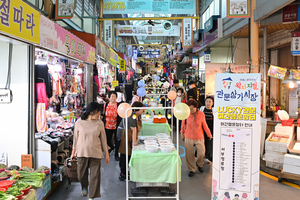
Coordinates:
[95,176]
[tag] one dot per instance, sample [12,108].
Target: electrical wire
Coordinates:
[7,84]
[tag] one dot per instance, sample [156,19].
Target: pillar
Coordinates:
[254,40]
[198,14]
[264,74]
[101,22]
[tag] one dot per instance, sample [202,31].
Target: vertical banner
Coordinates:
[187,32]
[236,136]
[65,9]
[238,8]
[109,33]
[122,66]
[195,61]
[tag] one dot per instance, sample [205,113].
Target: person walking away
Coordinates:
[192,134]
[111,120]
[89,145]
[208,111]
[134,126]
[120,95]
[194,93]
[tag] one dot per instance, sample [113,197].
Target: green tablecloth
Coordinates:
[154,167]
[151,129]
[156,111]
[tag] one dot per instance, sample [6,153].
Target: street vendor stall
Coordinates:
[155,162]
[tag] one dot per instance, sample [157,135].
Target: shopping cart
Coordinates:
[71,171]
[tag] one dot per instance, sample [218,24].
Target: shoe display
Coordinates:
[191,174]
[84,192]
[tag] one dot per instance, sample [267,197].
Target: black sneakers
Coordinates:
[191,174]
[201,170]
[122,177]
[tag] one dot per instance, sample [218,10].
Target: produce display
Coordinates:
[2,166]
[27,169]
[12,167]
[42,169]
[14,191]
[34,179]
[3,174]
[4,196]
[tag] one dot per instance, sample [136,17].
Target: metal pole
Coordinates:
[100,16]
[264,73]
[177,158]
[126,122]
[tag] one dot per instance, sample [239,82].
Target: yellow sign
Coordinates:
[122,66]
[31,195]
[20,20]
[115,84]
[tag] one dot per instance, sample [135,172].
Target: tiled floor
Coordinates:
[195,188]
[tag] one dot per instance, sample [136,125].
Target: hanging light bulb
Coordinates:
[169,116]
[167,99]
[134,116]
[147,115]
[159,115]
[146,99]
[151,98]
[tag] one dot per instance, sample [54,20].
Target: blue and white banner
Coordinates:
[149,7]
[236,155]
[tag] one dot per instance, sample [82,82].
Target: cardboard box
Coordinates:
[274,157]
[287,130]
[291,164]
[278,147]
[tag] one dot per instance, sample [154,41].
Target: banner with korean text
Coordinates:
[109,33]
[187,32]
[236,156]
[20,20]
[56,38]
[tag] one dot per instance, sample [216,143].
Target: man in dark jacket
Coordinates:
[194,93]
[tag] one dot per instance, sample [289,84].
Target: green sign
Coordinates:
[47,185]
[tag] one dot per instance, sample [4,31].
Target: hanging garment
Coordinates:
[41,94]
[42,76]
[41,118]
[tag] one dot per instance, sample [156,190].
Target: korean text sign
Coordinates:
[236,136]
[20,20]
[58,39]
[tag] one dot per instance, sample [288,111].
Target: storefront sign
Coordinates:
[113,58]
[212,69]
[114,84]
[195,61]
[122,66]
[238,8]
[65,9]
[207,58]
[26,160]
[277,72]
[109,33]
[295,44]
[290,13]
[101,49]
[133,30]
[3,158]
[129,50]
[135,54]
[149,6]
[56,38]
[296,73]
[155,53]
[187,29]
[47,185]
[236,156]
[20,20]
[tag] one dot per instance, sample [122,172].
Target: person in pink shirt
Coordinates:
[192,134]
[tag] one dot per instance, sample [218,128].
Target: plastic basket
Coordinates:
[288,122]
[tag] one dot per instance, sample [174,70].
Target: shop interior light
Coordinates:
[291,81]
[147,115]
[41,61]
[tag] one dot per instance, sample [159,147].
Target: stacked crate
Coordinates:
[275,151]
